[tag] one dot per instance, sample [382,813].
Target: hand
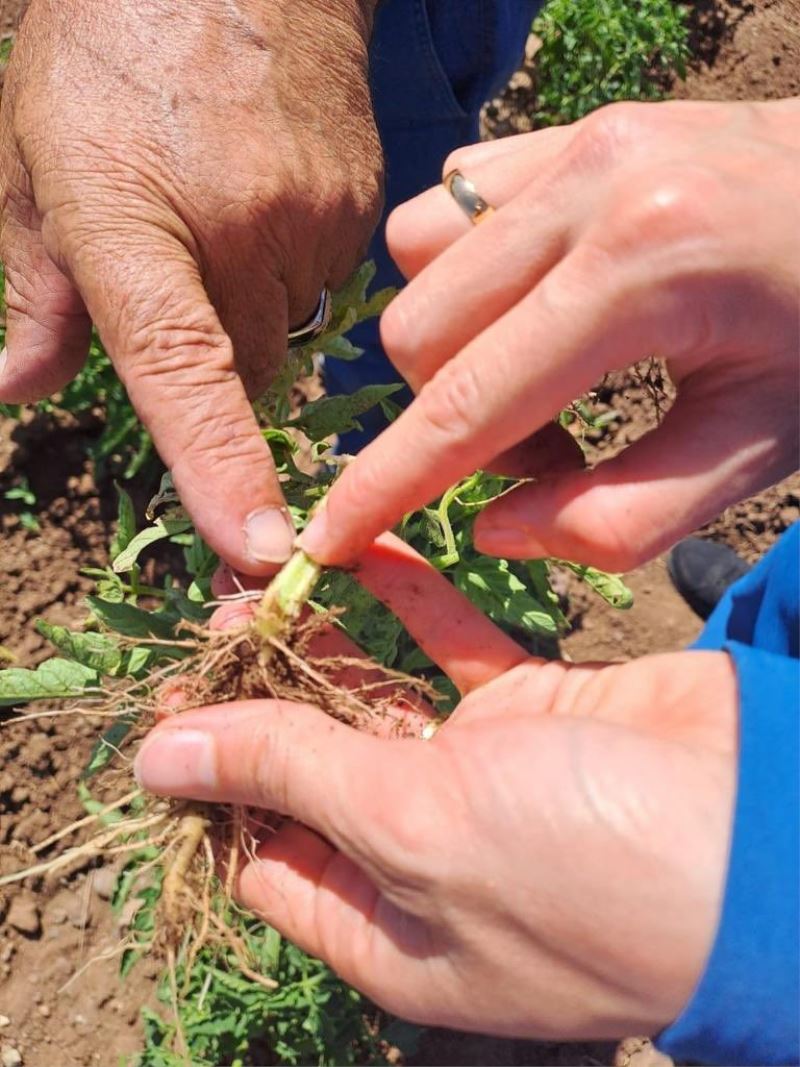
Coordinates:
[644,228]
[550,865]
[188,176]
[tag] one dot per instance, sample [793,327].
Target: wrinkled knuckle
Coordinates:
[160,333]
[449,402]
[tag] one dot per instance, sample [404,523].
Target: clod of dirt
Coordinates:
[24,915]
[104,882]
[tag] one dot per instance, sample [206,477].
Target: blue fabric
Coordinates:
[746,1007]
[432,64]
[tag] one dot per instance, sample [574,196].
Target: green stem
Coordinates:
[286,594]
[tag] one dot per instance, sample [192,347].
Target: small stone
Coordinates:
[44,1011]
[4,1021]
[10,1056]
[24,915]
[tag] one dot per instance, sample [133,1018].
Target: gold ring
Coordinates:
[467,197]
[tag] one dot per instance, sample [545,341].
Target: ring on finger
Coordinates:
[467,197]
[316,325]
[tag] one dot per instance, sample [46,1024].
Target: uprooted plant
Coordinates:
[147,649]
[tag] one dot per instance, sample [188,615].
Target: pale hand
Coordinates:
[667,229]
[550,865]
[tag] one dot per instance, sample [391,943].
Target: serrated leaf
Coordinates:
[337,414]
[166,526]
[98,651]
[55,679]
[609,586]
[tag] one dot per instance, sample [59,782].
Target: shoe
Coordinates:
[703,571]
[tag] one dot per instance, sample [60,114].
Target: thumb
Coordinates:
[351,787]
[177,363]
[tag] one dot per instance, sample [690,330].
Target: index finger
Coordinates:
[168,346]
[503,385]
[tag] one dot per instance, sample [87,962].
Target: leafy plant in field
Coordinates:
[595,52]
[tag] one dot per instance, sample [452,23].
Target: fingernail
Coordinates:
[509,542]
[3,360]
[270,535]
[177,763]
[315,536]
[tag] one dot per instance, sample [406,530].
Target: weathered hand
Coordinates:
[188,176]
[551,864]
[645,228]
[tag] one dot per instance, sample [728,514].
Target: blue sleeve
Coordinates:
[746,1007]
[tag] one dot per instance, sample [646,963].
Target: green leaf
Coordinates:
[97,651]
[337,414]
[126,523]
[56,679]
[107,745]
[354,291]
[167,526]
[130,621]
[341,348]
[609,586]
[496,590]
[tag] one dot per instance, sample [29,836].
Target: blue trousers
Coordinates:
[432,63]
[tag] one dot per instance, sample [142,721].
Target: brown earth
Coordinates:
[59,1012]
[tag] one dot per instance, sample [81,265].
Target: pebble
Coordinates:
[10,1056]
[24,916]
[44,1011]
[4,1021]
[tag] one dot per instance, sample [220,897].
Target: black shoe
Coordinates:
[702,571]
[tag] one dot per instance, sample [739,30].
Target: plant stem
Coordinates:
[286,594]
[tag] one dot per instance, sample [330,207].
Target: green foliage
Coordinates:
[23,493]
[55,679]
[312,1017]
[597,51]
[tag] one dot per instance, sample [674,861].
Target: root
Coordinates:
[175,841]
[191,831]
